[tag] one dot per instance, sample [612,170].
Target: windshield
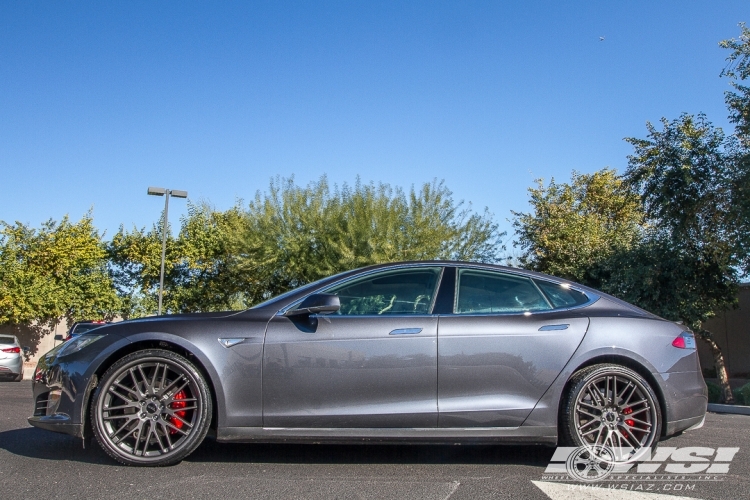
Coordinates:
[295,290]
[85,327]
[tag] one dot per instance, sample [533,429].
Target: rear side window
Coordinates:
[561,296]
[491,292]
[7,339]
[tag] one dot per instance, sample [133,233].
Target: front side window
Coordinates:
[490,292]
[401,291]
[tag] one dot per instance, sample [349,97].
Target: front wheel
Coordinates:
[611,406]
[152,408]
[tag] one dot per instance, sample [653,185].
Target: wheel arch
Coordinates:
[627,362]
[139,345]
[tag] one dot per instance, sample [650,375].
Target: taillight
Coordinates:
[686,340]
[13,350]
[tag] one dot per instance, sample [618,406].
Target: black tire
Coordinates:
[146,399]
[611,399]
[18,378]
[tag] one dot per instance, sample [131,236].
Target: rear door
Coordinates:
[501,348]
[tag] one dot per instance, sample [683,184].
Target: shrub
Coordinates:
[742,394]
[714,392]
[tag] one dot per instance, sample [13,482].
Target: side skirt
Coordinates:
[469,435]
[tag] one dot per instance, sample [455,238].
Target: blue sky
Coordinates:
[99,100]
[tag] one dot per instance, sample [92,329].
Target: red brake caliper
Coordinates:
[629,421]
[176,405]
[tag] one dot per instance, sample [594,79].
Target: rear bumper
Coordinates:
[11,367]
[686,398]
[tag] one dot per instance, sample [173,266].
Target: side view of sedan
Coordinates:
[414,352]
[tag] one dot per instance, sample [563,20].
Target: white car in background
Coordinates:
[11,358]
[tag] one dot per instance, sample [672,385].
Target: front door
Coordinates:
[372,364]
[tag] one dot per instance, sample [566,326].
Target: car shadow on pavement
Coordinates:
[37,443]
[212,451]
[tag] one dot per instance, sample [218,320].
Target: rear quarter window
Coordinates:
[561,296]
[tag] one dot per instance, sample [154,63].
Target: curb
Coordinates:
[735,409]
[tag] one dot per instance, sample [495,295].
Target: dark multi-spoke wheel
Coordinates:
[151,408]
[613,407]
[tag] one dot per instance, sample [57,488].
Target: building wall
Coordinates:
[731,330]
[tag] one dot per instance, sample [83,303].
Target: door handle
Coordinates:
[405,331]
[547,328]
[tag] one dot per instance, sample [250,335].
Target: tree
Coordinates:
[686,176]
[738,102]
[575,228]
[294,235]
[738,70]
[207,277]
[56,271]
[199,270]
[135,266]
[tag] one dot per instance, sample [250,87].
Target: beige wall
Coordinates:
[731,330]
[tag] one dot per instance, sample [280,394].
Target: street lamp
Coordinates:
[157,191]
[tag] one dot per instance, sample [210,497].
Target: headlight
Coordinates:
[76,345]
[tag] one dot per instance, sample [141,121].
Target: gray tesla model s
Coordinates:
[415,352]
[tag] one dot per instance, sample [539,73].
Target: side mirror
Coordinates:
[58,338]
[317,303]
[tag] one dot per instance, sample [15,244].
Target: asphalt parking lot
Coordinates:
[39,464]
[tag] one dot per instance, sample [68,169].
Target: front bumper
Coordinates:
[62,386]
[58,423]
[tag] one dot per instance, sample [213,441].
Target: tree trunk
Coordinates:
[721,368]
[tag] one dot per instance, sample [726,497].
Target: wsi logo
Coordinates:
[595,463]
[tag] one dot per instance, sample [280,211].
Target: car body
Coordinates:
[413,352]
[11,358]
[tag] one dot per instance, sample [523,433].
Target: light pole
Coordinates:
[157,191]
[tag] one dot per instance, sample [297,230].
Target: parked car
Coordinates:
[11,358]
[80,327]
[417,352]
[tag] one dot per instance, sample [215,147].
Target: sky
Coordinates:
[99,100]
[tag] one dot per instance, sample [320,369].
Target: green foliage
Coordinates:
[290,236]
[207,277]
[686,267]
[198,265]
[58,270]
[738,70]
[295,235]
[742,395]
[714,392]
[575,228]
[135,265]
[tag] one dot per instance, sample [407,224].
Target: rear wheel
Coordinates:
[611,406]
[152,408]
